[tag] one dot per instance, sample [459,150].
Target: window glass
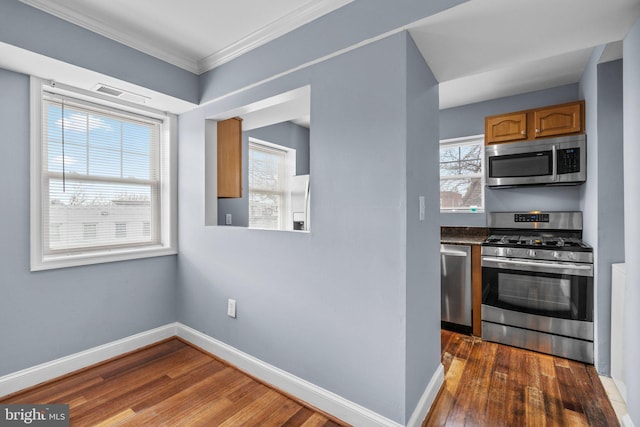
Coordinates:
[462,174]
[103,185]
[270,170]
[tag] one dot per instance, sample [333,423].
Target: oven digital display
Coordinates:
[531,217]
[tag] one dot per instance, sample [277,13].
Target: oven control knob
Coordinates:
[509,252]
[532,253]
[555,254]
[571,256]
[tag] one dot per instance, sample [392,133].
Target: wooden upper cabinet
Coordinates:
[528,125]
[558,120]
[506,127]
[230,158]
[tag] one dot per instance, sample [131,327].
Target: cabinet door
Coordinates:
[230,158]
[504,128]
[559,120]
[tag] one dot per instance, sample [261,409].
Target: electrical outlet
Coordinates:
[231,308]
[228,219]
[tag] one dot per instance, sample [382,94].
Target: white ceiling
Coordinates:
[196,35]
[479,50]
[486,49]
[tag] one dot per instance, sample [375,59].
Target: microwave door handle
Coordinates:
[554,162]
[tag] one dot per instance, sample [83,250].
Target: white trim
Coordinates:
[98,257]
[627,421]
[616,392]
[461,140]
[309,393]
[168,210]
[120,36]
[299,17]
[318,397]
[35,169]
[427,399]
[29,377]
[282,26]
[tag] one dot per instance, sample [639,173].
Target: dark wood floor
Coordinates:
[170,384]
[488,384]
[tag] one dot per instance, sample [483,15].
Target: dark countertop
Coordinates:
[463,235]
[461,240]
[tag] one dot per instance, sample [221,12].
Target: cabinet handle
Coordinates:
[537,130]
[523,132]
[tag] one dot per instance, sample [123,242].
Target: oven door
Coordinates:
[542,288]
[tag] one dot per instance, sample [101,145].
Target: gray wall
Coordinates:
[358,21]
[328,306]
[631,70]
[31,29]
[602,195]
[468,120]
[423,249]
[287,134]
[55,313]
[610,199]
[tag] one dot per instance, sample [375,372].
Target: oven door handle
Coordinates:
[565,268]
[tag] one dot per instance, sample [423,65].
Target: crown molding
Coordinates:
[299,17]
[120,36]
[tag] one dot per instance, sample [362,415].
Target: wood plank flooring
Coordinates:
[488,384]
[170,384]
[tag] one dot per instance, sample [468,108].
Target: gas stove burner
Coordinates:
[542,242]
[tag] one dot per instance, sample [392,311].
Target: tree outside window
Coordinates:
[462,174]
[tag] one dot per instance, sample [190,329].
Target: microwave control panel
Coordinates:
[568,160]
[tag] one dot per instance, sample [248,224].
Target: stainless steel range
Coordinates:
[537,283]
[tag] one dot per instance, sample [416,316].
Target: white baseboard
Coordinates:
[622,389]
[318,397]
[626,421]
[312,394]
[427,399]
[47,371]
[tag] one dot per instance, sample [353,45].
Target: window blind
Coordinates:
[268,186]
[100,177]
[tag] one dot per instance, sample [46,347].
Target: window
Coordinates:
[270,168]
[95,164]
[462,174]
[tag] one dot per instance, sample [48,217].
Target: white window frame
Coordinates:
[167,228]
[458,142]
[286,222]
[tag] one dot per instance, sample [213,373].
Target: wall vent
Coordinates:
[121,94]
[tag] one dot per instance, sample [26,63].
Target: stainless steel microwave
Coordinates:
[550,161]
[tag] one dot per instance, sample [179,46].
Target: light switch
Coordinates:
[231,308]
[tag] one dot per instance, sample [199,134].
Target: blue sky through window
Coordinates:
[98,145]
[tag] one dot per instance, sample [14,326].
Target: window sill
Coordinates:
[75,260]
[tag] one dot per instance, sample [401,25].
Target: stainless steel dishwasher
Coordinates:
[455,273]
